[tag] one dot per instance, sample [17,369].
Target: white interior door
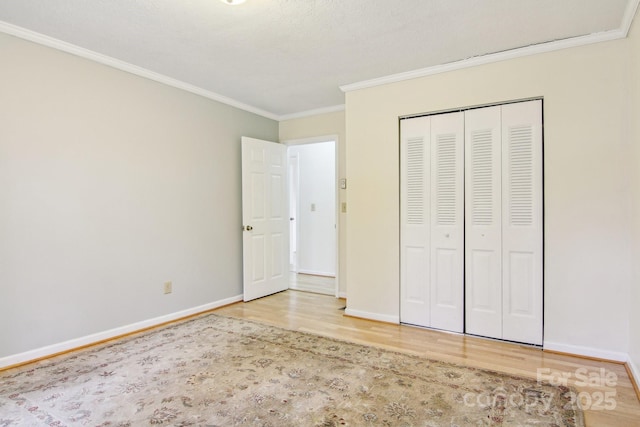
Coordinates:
[265,218]
[483,224]
[522,222]
[447,222]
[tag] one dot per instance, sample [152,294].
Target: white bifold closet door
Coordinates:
[432,232]
[483,222]
[503,222]
[471,205]
[522,222]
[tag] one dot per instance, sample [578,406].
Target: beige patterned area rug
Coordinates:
[219,371]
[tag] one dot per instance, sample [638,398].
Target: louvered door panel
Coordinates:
[447,224]
[522,222]
[414,223]
[471,222]
[483,246]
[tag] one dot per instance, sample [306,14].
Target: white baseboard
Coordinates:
[634,370]
[586,351]
[372,316]
[342,295]
[316,273]
[112,333]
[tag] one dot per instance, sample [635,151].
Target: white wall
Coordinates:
[320,125]
[634,324]
[587,196]
[316,216]
[110,185]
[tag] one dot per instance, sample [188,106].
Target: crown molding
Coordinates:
[486,59]
[315,112]
[109,61]
[604,36]
[38,38]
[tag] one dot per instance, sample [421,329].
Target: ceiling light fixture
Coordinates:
[232,2]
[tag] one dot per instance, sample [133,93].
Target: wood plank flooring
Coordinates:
[311,283]
[323,315]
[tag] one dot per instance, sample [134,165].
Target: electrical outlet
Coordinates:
[168,287]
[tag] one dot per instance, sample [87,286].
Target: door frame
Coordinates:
[315,140]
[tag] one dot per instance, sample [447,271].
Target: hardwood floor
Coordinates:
[605,387]
[311,283]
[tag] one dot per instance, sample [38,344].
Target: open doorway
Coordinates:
[313,215]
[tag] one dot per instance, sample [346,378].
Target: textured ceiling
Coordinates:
[291,56]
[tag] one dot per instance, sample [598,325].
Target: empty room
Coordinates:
[319,213]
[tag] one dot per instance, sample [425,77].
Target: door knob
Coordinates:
[249,228]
